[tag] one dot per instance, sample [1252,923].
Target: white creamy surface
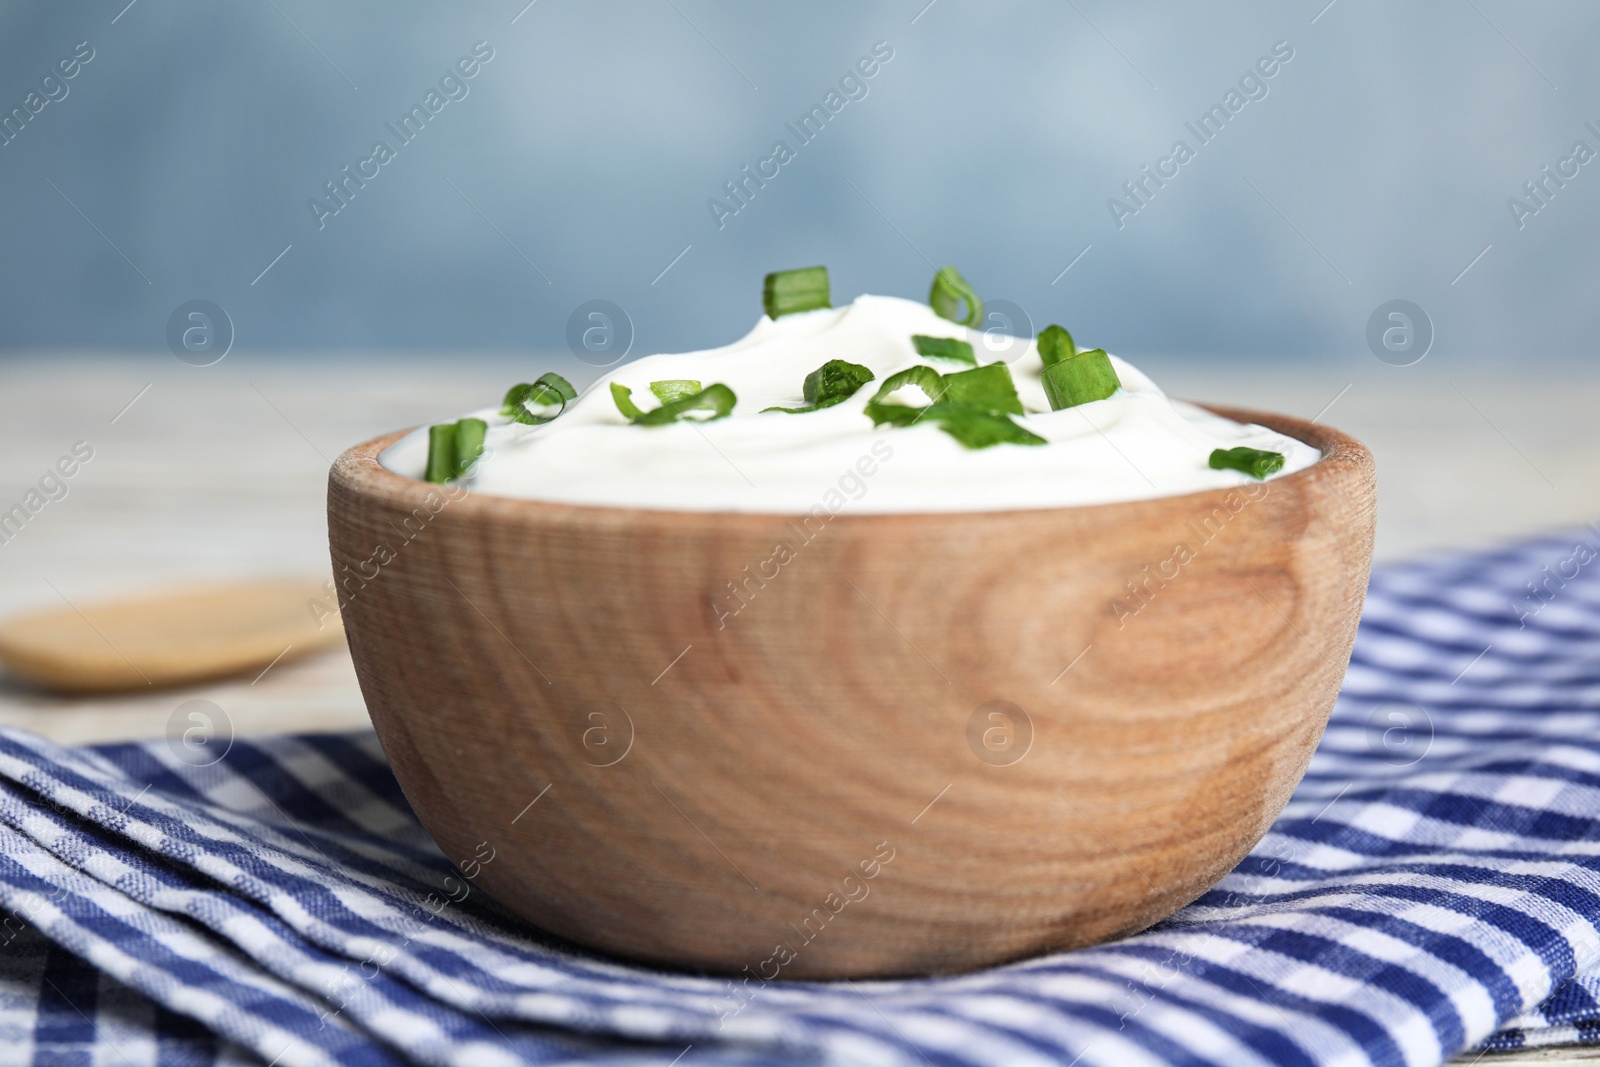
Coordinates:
[1133,445]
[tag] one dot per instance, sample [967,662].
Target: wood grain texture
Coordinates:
[170,637]
[814,787]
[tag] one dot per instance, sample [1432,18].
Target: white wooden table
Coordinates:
[220,471]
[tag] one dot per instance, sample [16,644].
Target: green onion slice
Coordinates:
[787,292]
[1080,379]
[832,383]
[453,447]
[716,399]
[944,348]
[949,291]
[1055,345]
[469,444]
[623,396]
[973,406]
[1252,461]
[927,379]
[522,402]
[987,388]
[441,452]
[972,426]
[550,381]
[980,429]
[893,414]
[514,397]
[674,389]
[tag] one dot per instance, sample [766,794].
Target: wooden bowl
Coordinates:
[922,744]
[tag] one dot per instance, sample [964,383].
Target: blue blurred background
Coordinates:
[578,163]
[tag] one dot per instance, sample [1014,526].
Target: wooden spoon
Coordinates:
[171,637]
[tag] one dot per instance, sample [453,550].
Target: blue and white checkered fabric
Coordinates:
[1433,885]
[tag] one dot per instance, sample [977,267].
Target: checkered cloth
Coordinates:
[1433,885]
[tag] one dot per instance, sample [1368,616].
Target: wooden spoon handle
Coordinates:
[171,637]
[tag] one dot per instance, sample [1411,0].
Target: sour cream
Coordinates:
[1135,444]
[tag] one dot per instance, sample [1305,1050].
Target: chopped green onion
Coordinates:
[927,379]
[973,406]
[551,381]
[1084,377]
[893,414]
[949,291]
[1055,345]
[623,396]
[1252,461]
[787,292]
[1073,377]
[514,405]
[980,429]
[832,383]
[469,444]
[717,399]
[442,452]
[674,389]
[973,427]
[944,348]
[453,447]
[550,390]
[987,389]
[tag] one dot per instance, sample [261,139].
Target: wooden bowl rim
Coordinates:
[358,469]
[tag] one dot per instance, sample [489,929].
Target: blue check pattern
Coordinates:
[1432,887]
